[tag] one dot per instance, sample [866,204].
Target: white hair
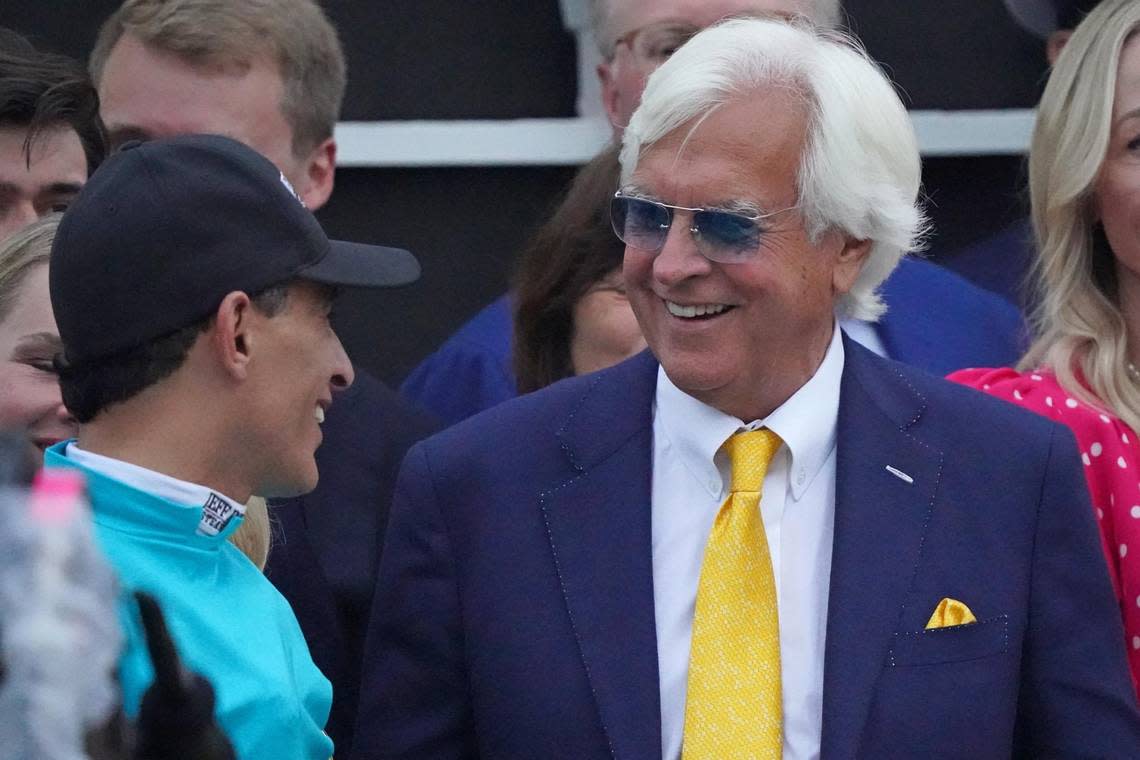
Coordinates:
[823,13]
[860,171]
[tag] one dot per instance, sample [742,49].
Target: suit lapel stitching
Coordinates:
[921,399]
[925,525]
[934,491]
[569,421]
[542,499]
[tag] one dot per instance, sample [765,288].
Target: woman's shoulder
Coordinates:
[1039,391]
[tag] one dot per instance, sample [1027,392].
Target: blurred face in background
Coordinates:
[647,32]
[47,182]
[146,93]
[605,329]
[1118,186]
[29,389]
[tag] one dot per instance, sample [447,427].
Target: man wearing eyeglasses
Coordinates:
[50,134]
[636,36]
[760,540]
[936,320]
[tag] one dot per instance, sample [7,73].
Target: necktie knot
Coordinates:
[750,452]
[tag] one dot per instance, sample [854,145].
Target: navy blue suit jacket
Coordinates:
[935,320]
[514,610]
[326,544]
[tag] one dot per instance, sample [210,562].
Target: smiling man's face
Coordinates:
[765,322]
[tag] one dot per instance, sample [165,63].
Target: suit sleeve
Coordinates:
[1076,698]
[414,698]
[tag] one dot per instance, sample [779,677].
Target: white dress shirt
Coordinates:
[690,483]
[865,334]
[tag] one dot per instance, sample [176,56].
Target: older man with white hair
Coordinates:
[937,320]
[760,540]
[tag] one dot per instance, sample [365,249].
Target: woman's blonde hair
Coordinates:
[252,536]
[1081,331]
[20,254]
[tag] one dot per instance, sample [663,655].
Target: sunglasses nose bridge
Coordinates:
[695,233]
[654,235]
[694,228]
[689,242]
[677,214]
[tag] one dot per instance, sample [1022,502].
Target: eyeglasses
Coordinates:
[727,237]
[654,43]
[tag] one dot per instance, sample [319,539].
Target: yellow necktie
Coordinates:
[733,707]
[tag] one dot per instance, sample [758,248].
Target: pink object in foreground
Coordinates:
[56,495]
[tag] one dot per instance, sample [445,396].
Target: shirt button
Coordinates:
[714,486]
[801,478]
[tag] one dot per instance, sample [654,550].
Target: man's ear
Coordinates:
[316,175]
[850,263]
[608,80]
[233,334]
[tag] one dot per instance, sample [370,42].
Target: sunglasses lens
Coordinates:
[639,223]
[725,236]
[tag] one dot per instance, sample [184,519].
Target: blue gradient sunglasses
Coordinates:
[728,237]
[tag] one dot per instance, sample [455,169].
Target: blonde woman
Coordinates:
[1084,178]
[30,401]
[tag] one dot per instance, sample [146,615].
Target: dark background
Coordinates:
[434,59]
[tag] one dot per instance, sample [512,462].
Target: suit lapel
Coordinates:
[598,522]
[880,521]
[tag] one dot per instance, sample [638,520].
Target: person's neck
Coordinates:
[757,396]
[179,441]
[1129,297]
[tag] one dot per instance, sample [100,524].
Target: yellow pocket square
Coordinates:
[950,612]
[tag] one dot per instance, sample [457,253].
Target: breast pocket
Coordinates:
[957,643]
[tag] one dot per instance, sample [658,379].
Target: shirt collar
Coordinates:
[216,508]
[806,422]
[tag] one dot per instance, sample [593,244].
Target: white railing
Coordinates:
[572,141]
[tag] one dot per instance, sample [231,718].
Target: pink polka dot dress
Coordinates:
[1111,458]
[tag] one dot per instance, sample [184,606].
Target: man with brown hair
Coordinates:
[271,74]
[50,134]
